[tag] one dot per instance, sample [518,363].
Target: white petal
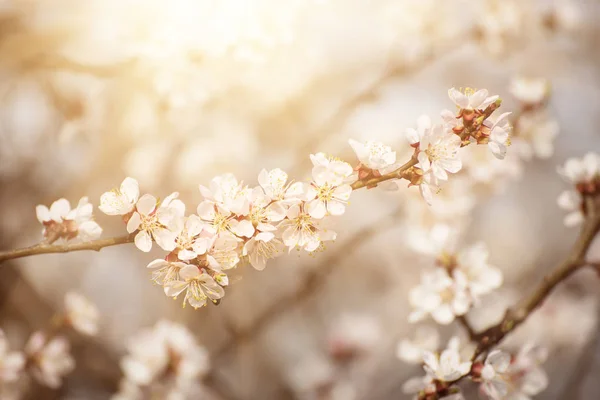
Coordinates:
[131,189]
[165,238]
[189,272]
[499,360]
[477,98]
[143,241]
[458,98]
[42,213]
[59,209]
[316,208]
[335,208]
[134,222]
[146,204]
[158,263]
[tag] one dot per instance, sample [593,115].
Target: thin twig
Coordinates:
[42,248]
[397,174]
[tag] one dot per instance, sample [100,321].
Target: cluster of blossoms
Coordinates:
[454,284]
[46,356]
[235,222]
[163,362]
[62,223]
[584,174]
[500,374]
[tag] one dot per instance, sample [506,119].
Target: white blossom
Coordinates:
[51,359]
[161,224]
[536,133]
[169,352]
[571,201]
[264,213]
[11,362]
[301,230]
[354,333]
[165,271]
[499,134]
[581,170]
[81,313]
[274,183]
[426,338]
[374,155]
[470,99]
[530,91]
[261,248]
[439,295]
[227,193]
[120,201]
[327,193]
[448,365]
[60,222]
[481,277]
[198,287]
[439,152]
[194,239]
[519,378]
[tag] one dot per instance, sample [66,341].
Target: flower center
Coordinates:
[325,192]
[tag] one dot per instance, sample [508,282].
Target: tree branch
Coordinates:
[518,314]
[42,248]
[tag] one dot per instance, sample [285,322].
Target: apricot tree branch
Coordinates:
[43,248]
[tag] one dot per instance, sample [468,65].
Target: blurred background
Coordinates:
[175,92]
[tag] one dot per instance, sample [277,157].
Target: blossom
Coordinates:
[120,201]
[439,152]
[414,136]
[353,334]
[374,155]
[428,186]
[492,374]
[11,362]
[194,239]
[167,351]
[161,224]
[520,377]
[225,191]
[411,351]
[471,99]
[536,134]
[448,365]
[327,193]
[81,313]
[581,170]
[51,359]
[274,183]
[571,201]
[261,248]
[481,277]
[165,271]
[60,222]
[301,230]
[530,91]
[199,286]
[439,295]
[499,135]
[264,213]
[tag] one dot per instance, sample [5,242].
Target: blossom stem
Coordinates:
[396,174]
[43,248]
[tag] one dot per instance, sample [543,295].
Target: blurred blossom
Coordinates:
[81,314]
[50,359]
[165,358]
[353,334]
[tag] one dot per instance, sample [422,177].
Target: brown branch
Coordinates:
[518,314]
[397,174]
[42,248]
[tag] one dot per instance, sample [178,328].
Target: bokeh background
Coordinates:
[175,92]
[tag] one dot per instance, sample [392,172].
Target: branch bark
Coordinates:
[42,248]
[518,314]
